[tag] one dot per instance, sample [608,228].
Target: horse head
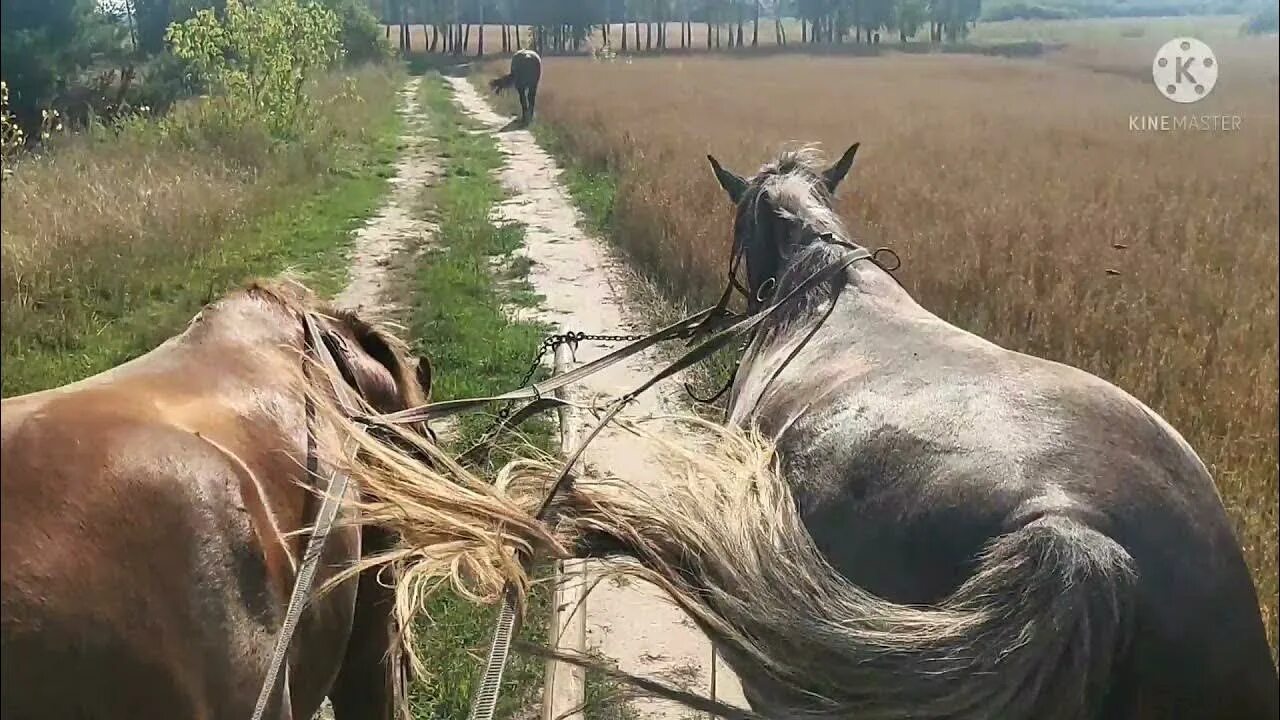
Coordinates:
[370,360]
[767,224]
[375,363]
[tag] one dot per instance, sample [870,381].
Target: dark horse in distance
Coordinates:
[526,71]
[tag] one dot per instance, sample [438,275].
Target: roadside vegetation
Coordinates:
[462,287]
[465,289]
[114,234]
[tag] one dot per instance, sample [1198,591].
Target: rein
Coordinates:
[507,625]
[765,292]
[712,328]
[335,489]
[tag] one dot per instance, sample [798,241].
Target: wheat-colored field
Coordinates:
[1021,202]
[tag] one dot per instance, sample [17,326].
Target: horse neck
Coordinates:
[816,249]
[253,322]
[809,254]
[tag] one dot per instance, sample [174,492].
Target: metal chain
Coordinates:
[572,339]
[549,344]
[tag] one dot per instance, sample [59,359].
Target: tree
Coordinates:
[755,26]
[779,30]
[44,44]
[951,18]
[909,17]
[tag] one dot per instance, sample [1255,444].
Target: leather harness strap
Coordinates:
[722,325]
[335,489]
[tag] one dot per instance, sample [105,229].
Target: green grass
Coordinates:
[459,321]
[606,698]
[121,292]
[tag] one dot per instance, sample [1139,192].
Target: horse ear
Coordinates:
[732,184]
[832,176]
[423,374]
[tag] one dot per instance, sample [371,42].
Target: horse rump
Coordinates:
[1036,632]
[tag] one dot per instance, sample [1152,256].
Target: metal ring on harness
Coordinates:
[875,257]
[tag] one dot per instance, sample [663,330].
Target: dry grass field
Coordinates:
[1022,204]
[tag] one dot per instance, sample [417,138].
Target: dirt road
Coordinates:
[584,290]
[396,227]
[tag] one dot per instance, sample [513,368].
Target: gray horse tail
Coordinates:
[1037,631]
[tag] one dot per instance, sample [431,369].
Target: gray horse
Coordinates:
[975,533]
[526,71]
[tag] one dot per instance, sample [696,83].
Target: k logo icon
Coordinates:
[1185,70]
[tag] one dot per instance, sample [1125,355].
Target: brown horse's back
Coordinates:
[135,583]
[149,521]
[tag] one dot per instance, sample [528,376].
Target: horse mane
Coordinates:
[377,340]
[792,183]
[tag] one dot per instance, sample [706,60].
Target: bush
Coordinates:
[1262,22]
[165,80]
[360,34]
[259,60]
[45,44]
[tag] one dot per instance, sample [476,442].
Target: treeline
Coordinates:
[1263,22]
[98,59]
[454,26]
[1077,9]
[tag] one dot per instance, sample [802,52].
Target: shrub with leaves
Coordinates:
[11,135]
[257,59]
[13,140]
[363,39]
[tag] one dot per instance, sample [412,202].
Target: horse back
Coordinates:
[526,69]
[145,570]
[909,457]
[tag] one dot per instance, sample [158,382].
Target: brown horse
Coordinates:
[150,518]
[905,520]
[526,71]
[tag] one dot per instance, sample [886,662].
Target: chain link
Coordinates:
[549,344]
[572,339]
